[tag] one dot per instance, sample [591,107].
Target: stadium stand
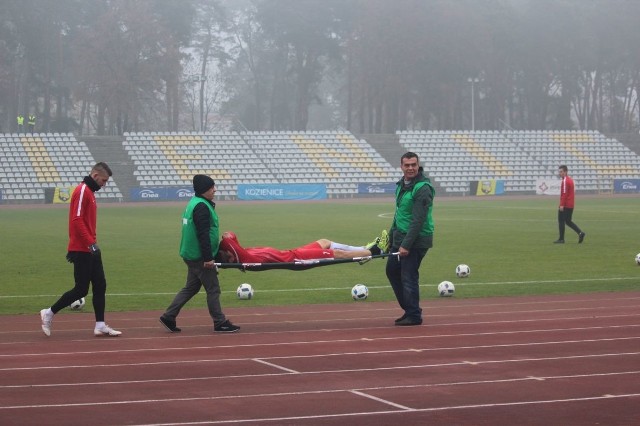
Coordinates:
[335,158]
[30,164]
[171,159]
[594,159]
[456,158]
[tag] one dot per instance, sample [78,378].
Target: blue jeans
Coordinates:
[404,278]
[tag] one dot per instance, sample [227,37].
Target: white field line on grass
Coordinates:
[460,284]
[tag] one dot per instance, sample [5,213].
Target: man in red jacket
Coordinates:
[84,253]
[567,203]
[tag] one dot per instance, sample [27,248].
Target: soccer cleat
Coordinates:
[46,321]
[105,330]
[383,241]
[372,244]
[170,325]
[581,237]
[225,327]
[558,242]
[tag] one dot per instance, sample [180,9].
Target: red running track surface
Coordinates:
[570,360]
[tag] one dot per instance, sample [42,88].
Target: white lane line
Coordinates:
[327,355]
[384,401]
[377,413]
[279,367]
[313,342]
[310,373]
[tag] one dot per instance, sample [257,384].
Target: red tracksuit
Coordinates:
[82,219]
[270,254]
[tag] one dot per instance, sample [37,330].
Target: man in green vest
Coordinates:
[411,235]
[198,248]
[20,120]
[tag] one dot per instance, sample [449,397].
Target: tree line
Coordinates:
[368,66]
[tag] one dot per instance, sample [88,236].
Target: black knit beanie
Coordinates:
[202,183]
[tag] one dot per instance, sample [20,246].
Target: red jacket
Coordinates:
[567,193]
[231,244]
[82,219]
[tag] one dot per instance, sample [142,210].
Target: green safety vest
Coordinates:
[404,210]
[189,245]
[20,120]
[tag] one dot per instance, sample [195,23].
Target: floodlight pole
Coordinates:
[473,81]
[197,78]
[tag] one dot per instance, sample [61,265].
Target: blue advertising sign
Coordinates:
[181,193]
[282,192]
[376,188]
[161,193]
[148,194]
[626,186]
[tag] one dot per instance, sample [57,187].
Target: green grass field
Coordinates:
[506,242]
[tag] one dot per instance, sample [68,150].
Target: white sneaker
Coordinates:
[105,330]
[46,321]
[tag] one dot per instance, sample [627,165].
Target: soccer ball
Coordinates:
[359,292]
[463,271]
[446,289]
[638,259]
[244,291]
[77,305]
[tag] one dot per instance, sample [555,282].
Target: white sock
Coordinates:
[100,324]
[48,311]
[345,247]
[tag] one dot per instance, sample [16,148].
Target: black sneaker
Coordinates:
[558,242]
[225,327]
[408,321]
[581,237]
[169,325]
[401,318]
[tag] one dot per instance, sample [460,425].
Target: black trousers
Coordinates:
[87,269]
[564,218]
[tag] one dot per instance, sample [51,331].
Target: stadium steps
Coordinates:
[630,140]
[110,150]
[388,146]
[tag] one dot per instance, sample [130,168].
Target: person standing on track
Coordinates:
[567,204]
[411,236]
[198,247]
[84,253]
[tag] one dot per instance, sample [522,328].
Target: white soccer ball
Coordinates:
[638,259]
[463,271]
[244,291]
[359,292]
[78,304]
[446,289]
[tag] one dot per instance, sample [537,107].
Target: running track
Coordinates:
[551,360]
